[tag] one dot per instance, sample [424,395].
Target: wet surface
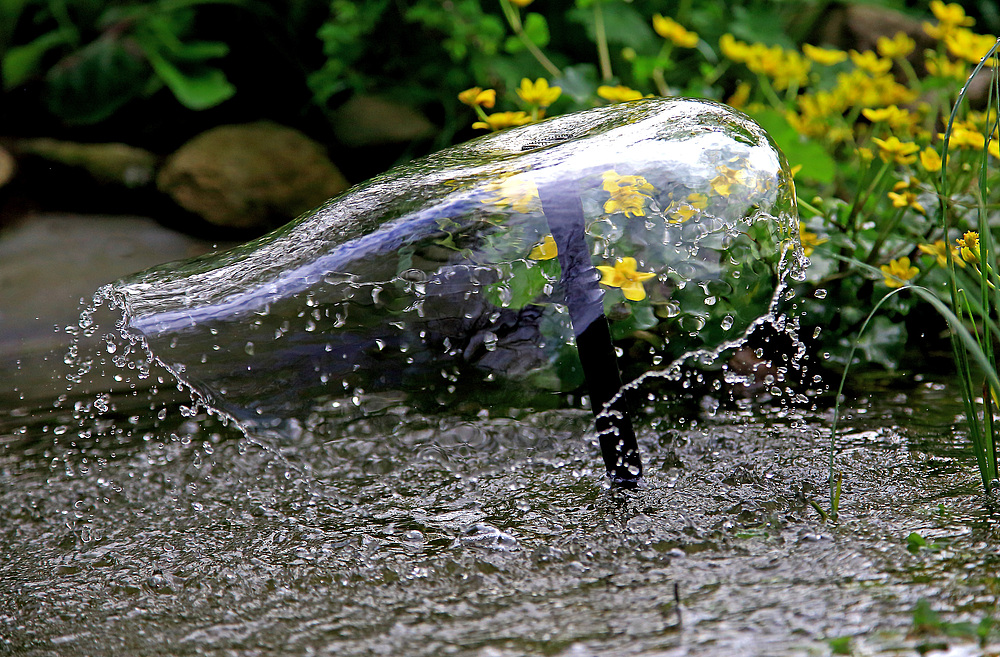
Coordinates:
[134,523]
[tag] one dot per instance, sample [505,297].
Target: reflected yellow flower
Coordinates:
[628,194]
[618,94]
[538,92]
[723,183]
[501,120]
[625,276]
[475,97]
[546,250]
[517,192]
[809,240]
[675,32]
[899,272]
[939,249]
[678,213]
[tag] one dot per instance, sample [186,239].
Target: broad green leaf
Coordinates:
[92,83]
[200,87]
[623,25]
[536,28]
[21,62]
[816,163]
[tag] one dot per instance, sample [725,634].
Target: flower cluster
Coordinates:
[537,96]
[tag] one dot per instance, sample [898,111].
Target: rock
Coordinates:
[250,176]
[49,262]
[107,163]
[7,166]
[372,121]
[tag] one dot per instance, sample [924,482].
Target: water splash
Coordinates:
[438,284]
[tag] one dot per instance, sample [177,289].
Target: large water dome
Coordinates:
[473,279]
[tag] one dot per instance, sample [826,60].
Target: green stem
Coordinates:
[514,20]
[862,198]
[603,55]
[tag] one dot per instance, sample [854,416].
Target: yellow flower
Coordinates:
[951,14]
[906,198]
[942,67]
[740,96]
[785,68]
[898,46]
[965,135]
[870,62]
[628,194]
[993,148]
[893,150]
[967,45]
[823,56]
[624,275]
[930,160]
[674,31]
[546,250]
[618,94]
[939,249]
[723,183]
[809,240]
[898,119]
[969,245]
[521,3]
[538,93]
[898,272]
[501,120]
[865,154]
[475,97]
[737,51]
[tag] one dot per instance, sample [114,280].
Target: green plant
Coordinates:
[95,58]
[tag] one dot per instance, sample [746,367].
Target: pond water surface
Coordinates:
[136,523]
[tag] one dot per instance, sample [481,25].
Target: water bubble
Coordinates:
[488,537]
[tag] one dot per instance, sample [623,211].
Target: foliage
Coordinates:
[95,58]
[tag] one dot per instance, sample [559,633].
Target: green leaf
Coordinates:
[523,284]
[801,151]
[578,82]
[623,25]
[915,541]
[536,28]
[198,88]
[95,81]
[640,318]
[21,62]
[841,645]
